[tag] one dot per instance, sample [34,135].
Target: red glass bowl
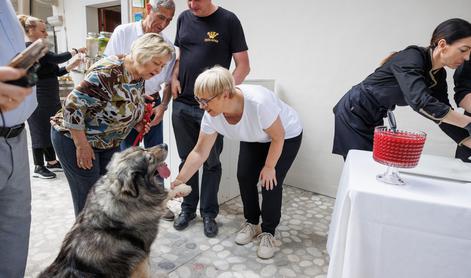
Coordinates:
[400,148]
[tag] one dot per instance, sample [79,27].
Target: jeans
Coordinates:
[80,180]
[154,137]
[186,120]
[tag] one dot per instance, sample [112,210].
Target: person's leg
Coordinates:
[41,171]
[252,157]
[212,172]
[186,131]
[52,163]
[15,206]
[129,140]
[38,157]
[155,136]
[80,180]
[50,155]
[104,158]
[250,162]
[209,205]
[272,199]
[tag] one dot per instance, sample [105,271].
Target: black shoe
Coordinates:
[56,167]
[42,172]
[168,215]
[210,226]
[182,220]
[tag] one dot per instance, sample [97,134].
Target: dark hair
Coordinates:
[451,30]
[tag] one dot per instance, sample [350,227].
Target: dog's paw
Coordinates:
[181,190]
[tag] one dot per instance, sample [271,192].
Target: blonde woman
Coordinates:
[47,93]
[270,133]
[101,111]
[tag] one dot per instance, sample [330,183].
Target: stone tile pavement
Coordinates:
[301,237]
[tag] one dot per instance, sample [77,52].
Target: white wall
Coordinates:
[80,17]
[317,50]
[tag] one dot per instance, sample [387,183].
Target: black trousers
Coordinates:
[252,158]
[39,154]
[186,120]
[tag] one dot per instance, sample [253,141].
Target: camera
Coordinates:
[27,59]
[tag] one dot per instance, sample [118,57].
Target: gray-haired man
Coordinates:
[159,15]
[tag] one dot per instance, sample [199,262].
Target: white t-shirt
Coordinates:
[261,108]
[120,43]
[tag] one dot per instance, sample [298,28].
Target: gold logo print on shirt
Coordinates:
[212,37]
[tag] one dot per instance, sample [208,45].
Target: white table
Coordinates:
[422,229]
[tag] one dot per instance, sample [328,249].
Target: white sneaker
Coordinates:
[247,233]
[266,249]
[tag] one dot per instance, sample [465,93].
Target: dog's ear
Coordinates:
[128,184]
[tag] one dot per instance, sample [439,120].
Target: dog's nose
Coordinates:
[164,146]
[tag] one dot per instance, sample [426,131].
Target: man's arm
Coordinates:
[176,88]
[242,66]
[162,107]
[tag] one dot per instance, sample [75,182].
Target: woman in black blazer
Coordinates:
[47,93]
[414,76]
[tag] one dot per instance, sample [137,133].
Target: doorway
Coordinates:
[109,18]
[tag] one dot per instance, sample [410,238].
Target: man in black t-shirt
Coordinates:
[462,78]
[207,35]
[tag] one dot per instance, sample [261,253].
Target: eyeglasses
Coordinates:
[204,102]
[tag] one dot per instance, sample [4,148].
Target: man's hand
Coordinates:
[176,88]
[158,113]
[11,96]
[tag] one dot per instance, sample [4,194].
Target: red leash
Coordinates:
[146,119]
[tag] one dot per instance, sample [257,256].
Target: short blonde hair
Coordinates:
[214,81]
[149,46]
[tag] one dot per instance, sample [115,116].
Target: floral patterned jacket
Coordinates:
[106,105]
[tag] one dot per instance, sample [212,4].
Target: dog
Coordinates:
[113,234]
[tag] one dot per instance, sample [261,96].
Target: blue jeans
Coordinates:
[186,120]
[154,137]
[80,180]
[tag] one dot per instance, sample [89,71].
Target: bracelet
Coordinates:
[76,51]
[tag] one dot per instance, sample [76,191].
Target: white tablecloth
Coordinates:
[422,229]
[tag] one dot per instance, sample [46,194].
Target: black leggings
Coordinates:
[40,153]
[252,158]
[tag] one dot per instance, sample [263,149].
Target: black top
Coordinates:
[49,64]
[205,42]
[407,79]
[462,79]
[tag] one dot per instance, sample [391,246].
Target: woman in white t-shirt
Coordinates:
[270,133]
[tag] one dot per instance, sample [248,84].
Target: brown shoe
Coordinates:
[168,215]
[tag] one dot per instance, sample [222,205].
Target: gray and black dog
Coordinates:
[113,234]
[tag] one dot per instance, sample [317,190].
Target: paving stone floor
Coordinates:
[301,238]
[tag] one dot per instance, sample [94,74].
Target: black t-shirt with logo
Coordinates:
[205,42]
